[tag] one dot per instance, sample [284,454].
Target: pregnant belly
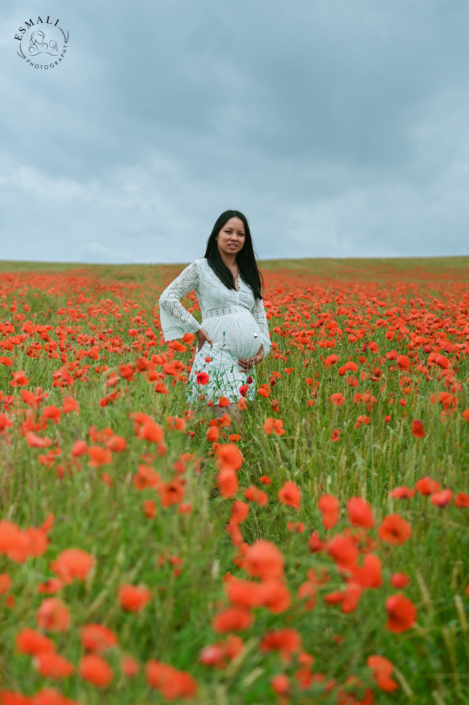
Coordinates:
[236,333]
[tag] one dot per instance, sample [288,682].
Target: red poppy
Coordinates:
[212,434]
[151,431]
[70,404]
[239,511]
[19,379]
[145,478]
[79,448]
[330,509]
[129,666]
[35,441]
[29,641]
[402,493]
[227,481]
[264,560]
[52,412]
[97,637]
[53,616]
[402,362]
[73,564]
[368,575]
[343,550]
[229,457]
[401,613]
[99,456]
[362,421]
[382,669]
[290,494]
[360,513]
[427,486]
[281,685]
[5,583]
[171,492]
[52,665]
[461,500]
[116,444]
[400,580]
[243,593]
[351,597]
[149,508]
[315,544]
[442,361]
[394,529]
[417,429]
[275,425]
[233,619]
[441,499]
[169,681]
[275,596]
[133,598]
[95,670]
[253,494]
[285,641]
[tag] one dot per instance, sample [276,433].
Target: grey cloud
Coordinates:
[339,128]
[95,253]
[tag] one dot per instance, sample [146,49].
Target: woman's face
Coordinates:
[231,237]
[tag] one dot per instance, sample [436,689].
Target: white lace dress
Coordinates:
[234,320]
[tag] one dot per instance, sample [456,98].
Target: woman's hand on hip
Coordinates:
[202,337]
[246,365]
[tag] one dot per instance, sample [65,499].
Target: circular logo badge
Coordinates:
[43,44]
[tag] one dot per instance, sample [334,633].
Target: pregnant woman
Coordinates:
[234,335]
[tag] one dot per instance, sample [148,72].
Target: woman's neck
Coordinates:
[229,261]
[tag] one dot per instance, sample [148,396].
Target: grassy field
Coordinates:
[436,268]
[150,553]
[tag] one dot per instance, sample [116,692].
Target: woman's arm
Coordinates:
[175,319]
[258,311]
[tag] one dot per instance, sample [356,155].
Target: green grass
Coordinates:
[342,268]
[431,658]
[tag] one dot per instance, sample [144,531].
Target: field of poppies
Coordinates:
[319,554]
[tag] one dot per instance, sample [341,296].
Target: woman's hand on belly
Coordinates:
[254,360]
[202,337]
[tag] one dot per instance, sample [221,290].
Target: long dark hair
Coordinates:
[245,258]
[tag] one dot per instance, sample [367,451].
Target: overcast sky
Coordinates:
[339,127]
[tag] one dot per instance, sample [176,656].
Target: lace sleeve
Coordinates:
[175,319]
[258,311]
